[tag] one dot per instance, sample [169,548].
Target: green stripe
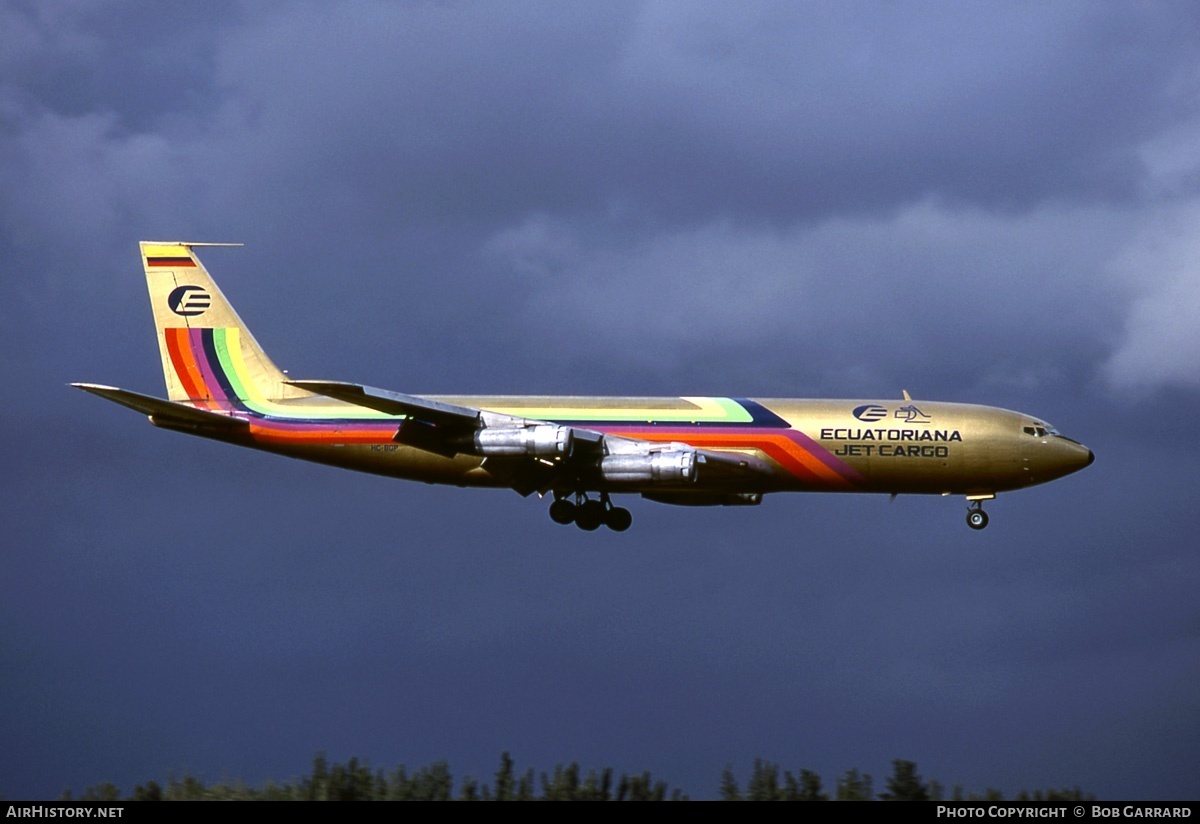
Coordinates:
[222,346]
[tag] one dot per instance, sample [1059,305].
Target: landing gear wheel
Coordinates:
[590,515]
[977,518]
[562,511]
[618,519]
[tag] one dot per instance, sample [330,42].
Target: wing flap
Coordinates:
[395,403]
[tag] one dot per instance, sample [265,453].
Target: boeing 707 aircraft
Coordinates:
[692,451]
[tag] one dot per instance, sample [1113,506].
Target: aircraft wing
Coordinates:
[394,403]
[441,428]
[536,456]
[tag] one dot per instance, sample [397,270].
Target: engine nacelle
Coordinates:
[656,467]
[540,441]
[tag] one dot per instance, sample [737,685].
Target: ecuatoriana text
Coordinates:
[839,434]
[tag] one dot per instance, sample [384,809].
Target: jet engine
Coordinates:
[539,441]
[656,467]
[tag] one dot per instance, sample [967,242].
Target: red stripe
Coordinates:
[185,366]
[787,453]
[162,261]
[328,434]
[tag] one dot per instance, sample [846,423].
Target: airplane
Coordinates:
[690,451]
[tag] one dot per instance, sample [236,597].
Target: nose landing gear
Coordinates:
[976,517]
[588,514]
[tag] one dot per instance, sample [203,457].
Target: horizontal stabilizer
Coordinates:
[394,403]
[165,413]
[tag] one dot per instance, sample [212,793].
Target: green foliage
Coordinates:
[904,783]
[990,794]
[150,792]
[809,788]
[853,786]
[765,785]
[505,785]
[1074,794]
[729,786]
[101,792]
[764,782]
[189,789]
[355,781]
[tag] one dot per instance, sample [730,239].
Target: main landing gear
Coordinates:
[976,517]
[589,514]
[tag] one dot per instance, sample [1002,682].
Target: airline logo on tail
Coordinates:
[189,301]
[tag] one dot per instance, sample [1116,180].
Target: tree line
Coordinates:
[356,781]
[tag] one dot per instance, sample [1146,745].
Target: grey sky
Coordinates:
[978,203]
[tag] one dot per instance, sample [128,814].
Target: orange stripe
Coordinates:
[782,449]
[184,361]
[269,434]
[179,361]
[786,452]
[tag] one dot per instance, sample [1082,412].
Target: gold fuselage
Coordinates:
[686,450]
[901,447]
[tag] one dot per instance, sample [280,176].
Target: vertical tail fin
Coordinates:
[209,357]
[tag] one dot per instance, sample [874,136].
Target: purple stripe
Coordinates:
[797,437]
[196,342]
[824,455]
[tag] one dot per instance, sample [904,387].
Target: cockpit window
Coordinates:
[1039,429]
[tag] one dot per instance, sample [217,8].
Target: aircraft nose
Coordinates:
[1058,456]
[1078,458]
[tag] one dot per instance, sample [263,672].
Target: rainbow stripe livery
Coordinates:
[684,450]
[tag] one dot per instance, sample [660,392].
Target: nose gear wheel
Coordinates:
[976,517]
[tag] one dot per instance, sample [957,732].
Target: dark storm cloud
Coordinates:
[891,292]
[695,112]
[116,57]
[639,136]
[993,204]
[689,113]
